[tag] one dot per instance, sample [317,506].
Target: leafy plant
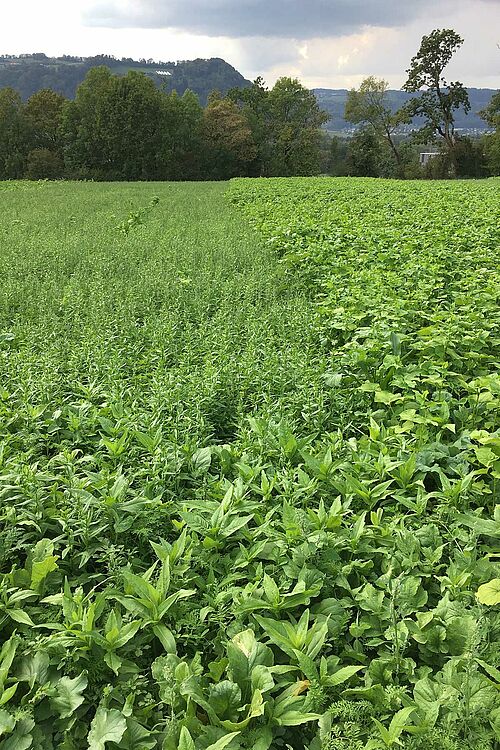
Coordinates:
[250,498]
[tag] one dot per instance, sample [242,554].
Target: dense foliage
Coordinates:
[124,127]
[491,114]
[248,491]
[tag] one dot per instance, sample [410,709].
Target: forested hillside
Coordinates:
[28,74]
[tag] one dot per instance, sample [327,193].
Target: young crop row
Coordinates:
[248,491]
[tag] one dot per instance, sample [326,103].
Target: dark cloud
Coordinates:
[299,19]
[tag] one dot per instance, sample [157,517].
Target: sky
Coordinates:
[325,43]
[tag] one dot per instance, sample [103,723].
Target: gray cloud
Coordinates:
[299,19]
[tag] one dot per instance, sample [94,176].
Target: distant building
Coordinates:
[426,156]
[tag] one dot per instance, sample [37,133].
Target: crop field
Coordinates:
[250,465]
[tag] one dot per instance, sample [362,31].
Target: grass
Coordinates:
[164,318]
[249,462]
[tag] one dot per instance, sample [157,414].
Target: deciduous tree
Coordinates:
[369,106]
[491,142]
[438,99]
[295,120]
[364,154]
[255,104]
[182,136]
[43,112]
[13,135]
[84,131]
[228,143]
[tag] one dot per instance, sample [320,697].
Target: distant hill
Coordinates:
[333,102]
[30,73]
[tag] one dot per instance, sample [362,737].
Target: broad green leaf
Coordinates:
[224,697]
[21,738]
[139,587]
[282,634]
[265,739]
[34,669]
[480,525]
[399,722]
[262,678]
[7,722]
[493,672]
[410,596]
[235,525]
[137,737]
[165,636]
[244,653]
[296,718]
[173,599]
[489,593]
[316,638]
[108,725]
[8,694]
[485,456]
[307,665]
[256,708]
[43,562]
[7,654]
[384,733]
[69,695]
[202,458]
[385,397]
[333,379]
[271,590]
[113,661]
[125,634]
[482,694]
[18,615]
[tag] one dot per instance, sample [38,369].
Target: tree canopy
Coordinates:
[438,99]
[369,106]
[125,128]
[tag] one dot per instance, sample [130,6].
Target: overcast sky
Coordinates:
[326,43]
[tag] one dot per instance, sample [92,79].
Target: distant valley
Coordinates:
[333,101]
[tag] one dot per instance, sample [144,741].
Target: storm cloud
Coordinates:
[299,19]
[324,43]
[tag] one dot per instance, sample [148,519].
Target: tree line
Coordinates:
[125,128]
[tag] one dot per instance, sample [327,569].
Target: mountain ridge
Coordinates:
[32,72]
[333,101]
[27,74]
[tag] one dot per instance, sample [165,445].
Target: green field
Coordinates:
[249,464]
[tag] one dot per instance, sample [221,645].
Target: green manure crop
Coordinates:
[249,465]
